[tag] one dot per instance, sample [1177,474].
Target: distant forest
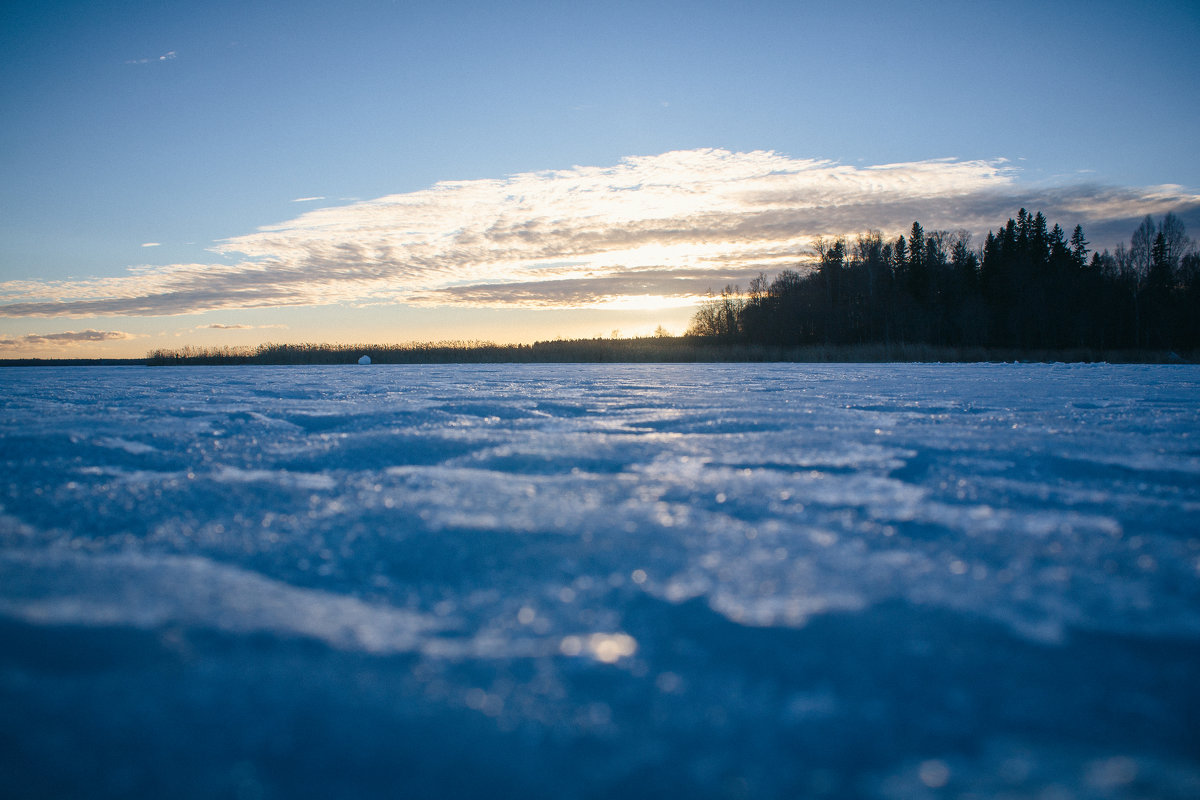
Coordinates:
[1029,287]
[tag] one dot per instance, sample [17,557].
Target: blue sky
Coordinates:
[144,146]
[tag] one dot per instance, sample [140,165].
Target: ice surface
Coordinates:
[579,581]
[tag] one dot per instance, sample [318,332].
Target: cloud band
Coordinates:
[66,337]
[669,225]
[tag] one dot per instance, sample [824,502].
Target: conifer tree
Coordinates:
[916,247]
[1079,249]
[1159,278]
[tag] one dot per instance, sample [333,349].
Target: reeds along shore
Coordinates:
[656,349]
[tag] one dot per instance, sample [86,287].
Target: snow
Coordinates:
[582,580]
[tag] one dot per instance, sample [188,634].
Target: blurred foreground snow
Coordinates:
[578,581]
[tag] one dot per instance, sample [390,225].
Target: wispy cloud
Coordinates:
[168,56]
[65,338]
[151,244]
[617,288]
[220,326]
[307,199]
[669,225]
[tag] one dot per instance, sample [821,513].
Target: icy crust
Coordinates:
[519,533]
[1045,497]
[155,592]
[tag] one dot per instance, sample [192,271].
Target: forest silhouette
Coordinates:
[1029,287]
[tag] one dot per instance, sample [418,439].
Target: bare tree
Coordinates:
[758,288]
[719,316]
[1175,239]
[1140,247]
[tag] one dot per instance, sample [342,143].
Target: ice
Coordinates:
[132,589]
[585,580]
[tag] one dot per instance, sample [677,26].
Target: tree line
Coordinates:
[657,348]
[1029,287]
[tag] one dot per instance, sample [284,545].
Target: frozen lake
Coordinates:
[876,581]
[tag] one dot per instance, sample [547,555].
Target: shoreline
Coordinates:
[664,350]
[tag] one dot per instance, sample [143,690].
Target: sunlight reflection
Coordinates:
[608,648]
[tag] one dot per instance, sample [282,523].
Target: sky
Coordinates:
[231,173]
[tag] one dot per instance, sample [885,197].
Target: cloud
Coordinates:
[307,199]
[151,244]
[168,56]
[64,338]
[589,291]
[219,326]
[669,225]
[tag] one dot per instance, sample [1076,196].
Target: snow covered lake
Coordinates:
[570,581]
